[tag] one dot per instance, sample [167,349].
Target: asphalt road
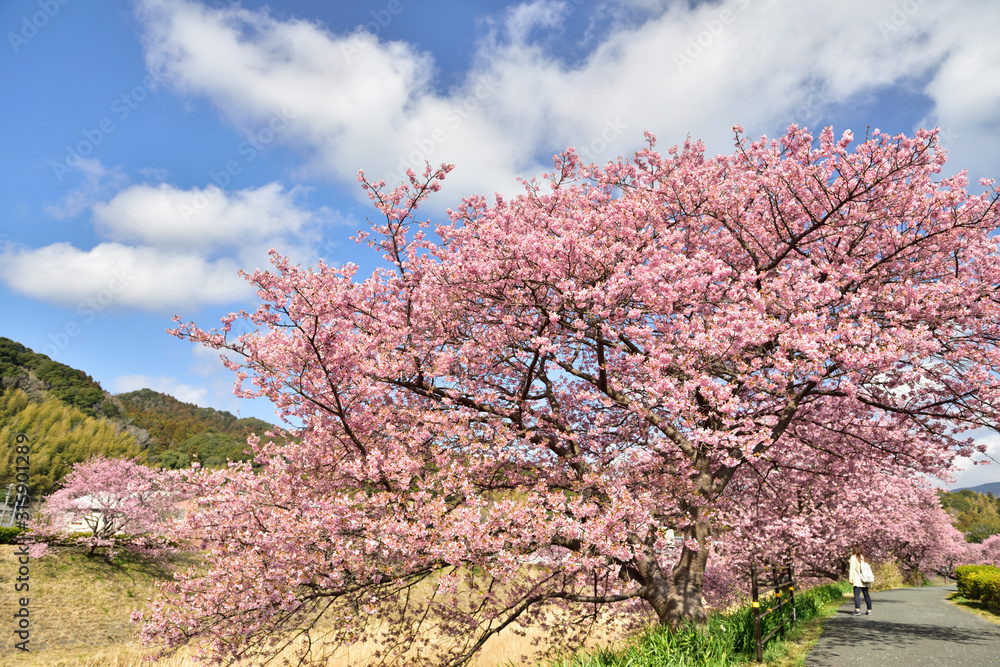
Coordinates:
[908,627]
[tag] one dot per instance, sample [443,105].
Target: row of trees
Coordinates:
[759,353]
[107,505]
[777,343]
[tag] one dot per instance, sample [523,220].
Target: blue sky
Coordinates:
[151,148]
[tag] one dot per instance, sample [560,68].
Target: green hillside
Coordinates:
[36,374]
[975,514]
[69,418]
[180,431]
[59,435]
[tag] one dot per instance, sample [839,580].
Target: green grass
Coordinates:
[976,607]
[726,639]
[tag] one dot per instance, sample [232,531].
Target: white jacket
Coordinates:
[854,572]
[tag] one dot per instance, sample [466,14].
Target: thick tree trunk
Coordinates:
[687,603]
[680,601]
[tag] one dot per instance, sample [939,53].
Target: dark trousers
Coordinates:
[857,597]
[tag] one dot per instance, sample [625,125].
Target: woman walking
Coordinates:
[860,577]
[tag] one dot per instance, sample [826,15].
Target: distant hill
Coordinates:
[180,431]
[975,514]
[992,487]
[69,417]
[36,375]
[59,435]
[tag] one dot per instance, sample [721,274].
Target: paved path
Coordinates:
[908,627]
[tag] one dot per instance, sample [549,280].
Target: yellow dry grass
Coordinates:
[500,650]
[80,612]
[888,575]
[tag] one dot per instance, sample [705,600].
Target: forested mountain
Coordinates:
[181,431]
[975,514]
[59,435]
[35,374]
[992,487]
[68,417]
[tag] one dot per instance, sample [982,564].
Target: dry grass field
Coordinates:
[80,611]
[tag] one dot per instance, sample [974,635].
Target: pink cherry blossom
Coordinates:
[510,419]
[119,504]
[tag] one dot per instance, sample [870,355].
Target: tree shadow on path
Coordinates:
[873,638]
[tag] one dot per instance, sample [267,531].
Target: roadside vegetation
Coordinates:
[979,591]
[84,605]
[727,638]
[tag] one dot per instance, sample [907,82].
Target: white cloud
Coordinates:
[352,101]
[987,467]
[200,218]
[166,248]
[98,181]
[522,19]
[357,102]
[112,274]
[166,385]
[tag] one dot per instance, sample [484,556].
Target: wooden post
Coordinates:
[780,605]
[779,602]
[791,593]
[756,612]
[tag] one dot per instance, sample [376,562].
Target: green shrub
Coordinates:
[726,639]
[980,583]
[8,535]
[991,591]
[967,579]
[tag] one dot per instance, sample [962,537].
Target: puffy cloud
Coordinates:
[167,247]
[352,101]
[683,69]
[112,274]
[165,216]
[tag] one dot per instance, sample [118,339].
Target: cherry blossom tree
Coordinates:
[921,539]
[811,519]
[991,550]
[120,503]
[504,426]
